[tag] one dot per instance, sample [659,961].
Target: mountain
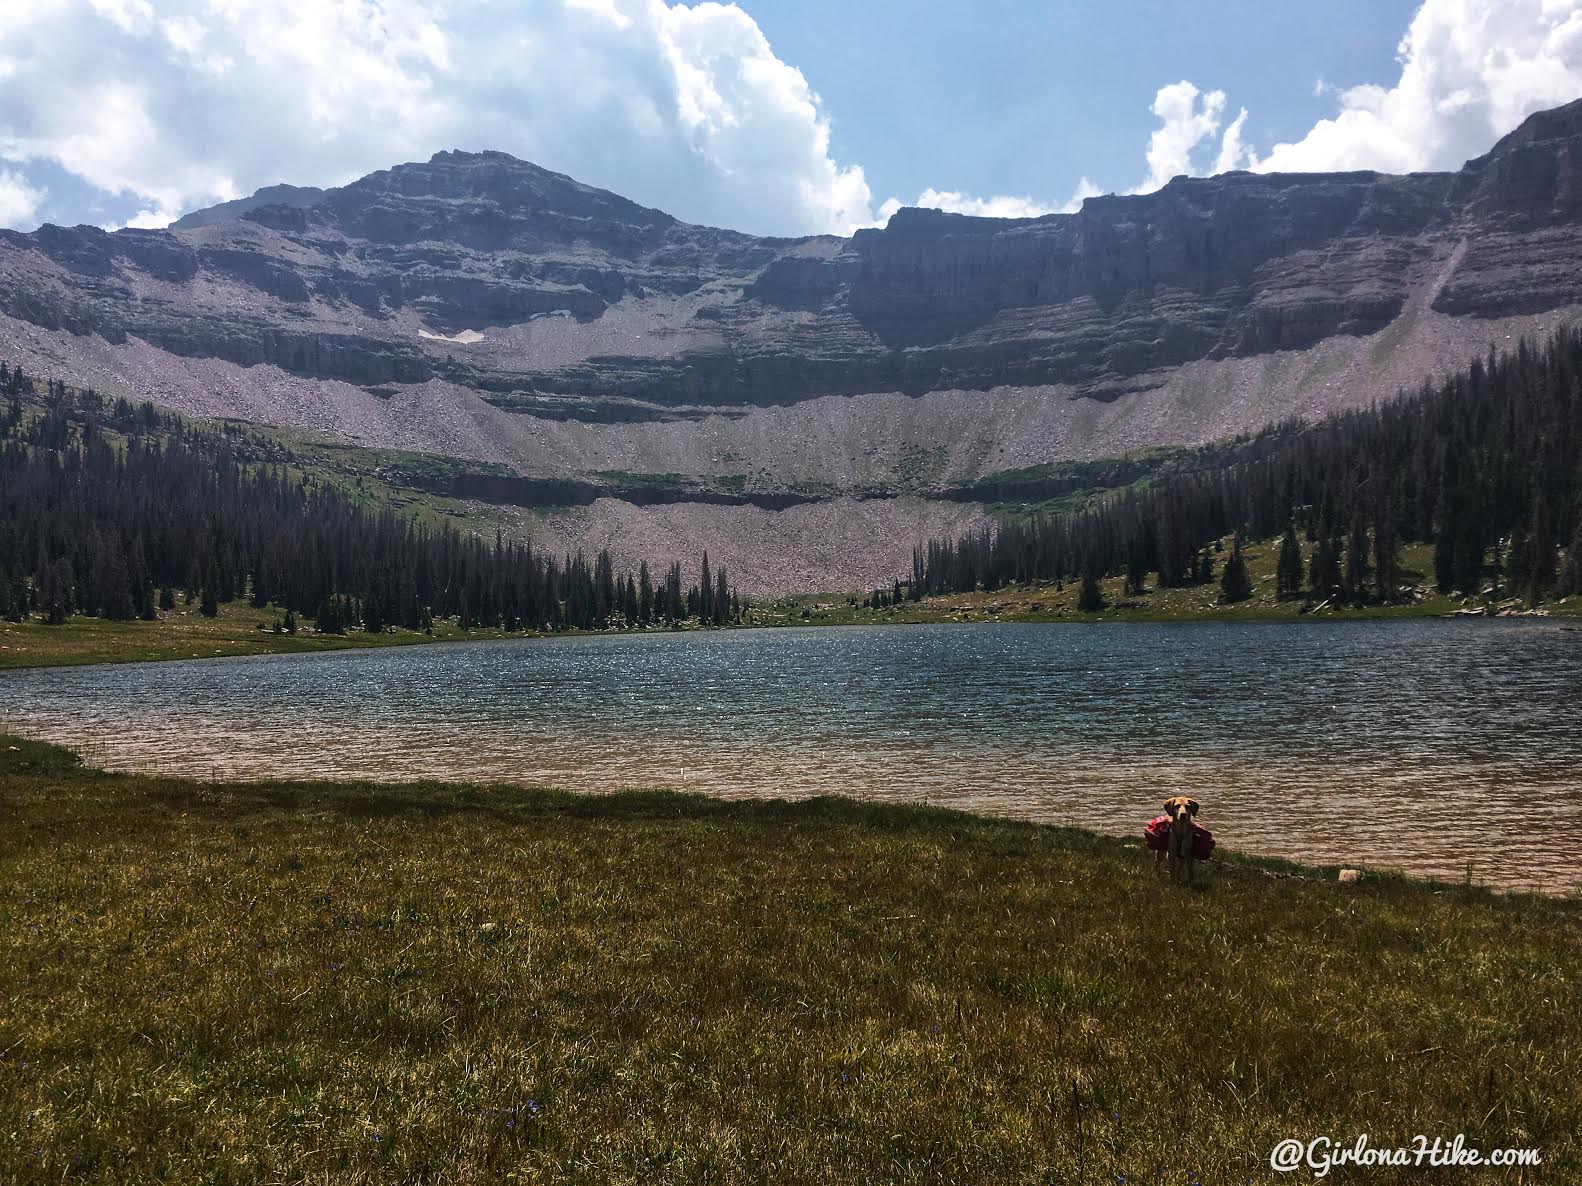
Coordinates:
[805,407]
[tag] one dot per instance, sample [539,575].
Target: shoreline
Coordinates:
[236,632]
[93,760]
[670,802]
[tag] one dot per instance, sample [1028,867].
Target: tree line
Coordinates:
[1486,466]
[117,510]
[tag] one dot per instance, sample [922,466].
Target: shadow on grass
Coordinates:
[33,774]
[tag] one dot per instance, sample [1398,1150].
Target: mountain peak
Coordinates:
[298,196]
[497,186]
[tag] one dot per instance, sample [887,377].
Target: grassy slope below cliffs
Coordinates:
[243,630]
[350,983]
[186,634]
[1044,602]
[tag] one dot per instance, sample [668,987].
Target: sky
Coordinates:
[783,117]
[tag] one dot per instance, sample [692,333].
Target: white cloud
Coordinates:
[181,103]
[1085,190]
[1003,206]
[18,199]
[1232,153]
[1471,70]
[1187,117]
[154,107]
[997,207]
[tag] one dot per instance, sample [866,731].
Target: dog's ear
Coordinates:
[1191,806]
[1171,806]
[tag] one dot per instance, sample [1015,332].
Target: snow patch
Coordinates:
[466,338]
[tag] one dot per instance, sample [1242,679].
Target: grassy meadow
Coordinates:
[185,633]
[242,629]
[1045,602]
[348,983]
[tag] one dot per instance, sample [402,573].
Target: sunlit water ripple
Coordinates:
[1414,745]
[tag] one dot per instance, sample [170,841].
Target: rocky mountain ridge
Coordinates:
[482,307]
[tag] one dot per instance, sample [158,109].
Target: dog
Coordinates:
[1179,845]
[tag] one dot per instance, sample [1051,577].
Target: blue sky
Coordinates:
[1018,96]
[777,116]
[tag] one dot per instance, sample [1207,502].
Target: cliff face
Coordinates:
[337,284]
[479,305]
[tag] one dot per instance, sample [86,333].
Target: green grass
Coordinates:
[186,634]
[352,983]
[1044,602]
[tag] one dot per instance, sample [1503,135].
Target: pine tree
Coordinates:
[1541,568]
[1571,581]
[1445,557]
[1136,567]
[1090,597]
[1468,545]
[1235,584]
[1288,573]
[1355,576]
[1323,580]
[57,594]
[114,585]
[1386,575]
[19,597]
[1518,563]
[1205,568]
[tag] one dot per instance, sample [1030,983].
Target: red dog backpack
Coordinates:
[1157,833]
[1202,842]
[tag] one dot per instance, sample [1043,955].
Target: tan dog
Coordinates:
[1182,810]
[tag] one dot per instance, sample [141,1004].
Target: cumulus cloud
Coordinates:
[1232,152]
[18,199]
[1471,70]
[1187,117]
[134,111]
[177,103]
[1002,206]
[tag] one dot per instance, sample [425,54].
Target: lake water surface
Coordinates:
[1414,745]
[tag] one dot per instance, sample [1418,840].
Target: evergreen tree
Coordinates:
[1539,573]
[722,599]
[115,588]
[1386,574]
[57,593]
[1485,455]
[1288,573]
[1090,597]
[1136,567]
[1235,584]
[1354,578]
[1324,573]
[1571,582]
